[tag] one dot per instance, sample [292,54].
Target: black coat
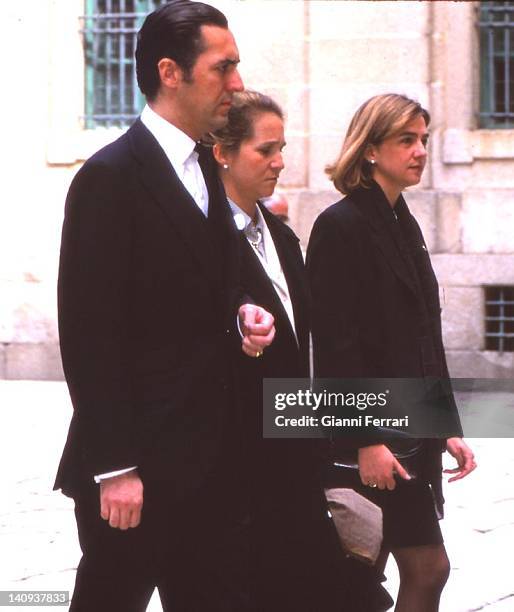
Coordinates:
[376,311]
[295,544]
[271,460]
[146,295]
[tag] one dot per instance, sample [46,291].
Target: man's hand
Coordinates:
[257,327]
[121,500]
[464,456]
[377,466]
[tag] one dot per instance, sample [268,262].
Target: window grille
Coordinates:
[109,29]
[499,319]
[496,25]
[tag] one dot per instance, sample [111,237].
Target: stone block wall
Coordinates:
[320,59]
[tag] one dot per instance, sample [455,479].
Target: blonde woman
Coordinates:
[376,314]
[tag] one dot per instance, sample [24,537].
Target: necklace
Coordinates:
[254,234]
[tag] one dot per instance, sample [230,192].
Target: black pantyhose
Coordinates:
[424,571]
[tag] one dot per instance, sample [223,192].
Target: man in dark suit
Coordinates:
[148,296]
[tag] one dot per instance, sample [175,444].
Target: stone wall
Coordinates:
[320,60]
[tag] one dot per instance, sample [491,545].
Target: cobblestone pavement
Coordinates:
[38,544]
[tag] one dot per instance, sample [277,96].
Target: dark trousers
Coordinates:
[269,549]
[192,549]
[298,558]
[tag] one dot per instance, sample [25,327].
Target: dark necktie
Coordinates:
[203,160]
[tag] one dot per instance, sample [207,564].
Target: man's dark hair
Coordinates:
[172,31]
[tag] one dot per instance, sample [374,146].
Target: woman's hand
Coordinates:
[464,456]
[377,466]
[257,327]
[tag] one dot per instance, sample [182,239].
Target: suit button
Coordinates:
[227,331]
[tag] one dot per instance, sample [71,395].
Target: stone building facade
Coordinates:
[321,60]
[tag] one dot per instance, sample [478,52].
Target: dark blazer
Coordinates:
[146,310]
[295,541]
[375,297]
[285,358]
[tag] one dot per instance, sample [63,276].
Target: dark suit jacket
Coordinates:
[146,288]
[274,462]
[295,541]
[285,357]
[376,311]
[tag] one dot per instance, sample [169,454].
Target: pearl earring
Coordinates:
[225,166]
[372,162]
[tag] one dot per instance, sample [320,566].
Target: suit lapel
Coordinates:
[258,285]
[261,288]
[373,205]
[166,189]
[289,254]
[226,230]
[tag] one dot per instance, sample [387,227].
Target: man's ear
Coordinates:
[170,72]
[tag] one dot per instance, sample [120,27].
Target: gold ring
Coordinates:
[258,353]
[372,484]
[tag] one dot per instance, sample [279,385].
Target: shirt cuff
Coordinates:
[100,477]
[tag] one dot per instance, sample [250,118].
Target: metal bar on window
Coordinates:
[508,75]
[109,116]
[135,88]
[111,30]
[501,330]
[496,25]
[142,7]
[499,7]
[107,15]
[492,76]
[108,61]
[506,66]
[121,59]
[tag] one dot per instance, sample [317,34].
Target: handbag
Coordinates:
[358,523]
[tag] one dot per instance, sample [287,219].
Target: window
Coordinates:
[112,97]
[499,319]
[497,64]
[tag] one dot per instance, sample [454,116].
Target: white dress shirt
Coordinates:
[179,149]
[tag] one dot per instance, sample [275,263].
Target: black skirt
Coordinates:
[410,512]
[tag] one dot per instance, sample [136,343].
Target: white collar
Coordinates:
[177,145]
[242,219]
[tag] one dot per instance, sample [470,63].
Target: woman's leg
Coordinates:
[424,571]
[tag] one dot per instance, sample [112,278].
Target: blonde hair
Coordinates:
[377,119]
